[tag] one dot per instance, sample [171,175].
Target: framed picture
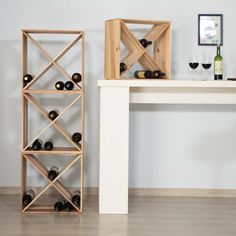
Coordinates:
[210,29]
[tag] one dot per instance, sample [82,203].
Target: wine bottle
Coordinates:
[48,145]
[53,172]
[27,78]
[218,65]
[28,197]
[37,144]
[68,207]
[76,137]
[76,77]
[59,85]
[76,198]
[69,85]
[53,114]
[145,42]
[157,74]
[123,67]
[142,74]
[59,204]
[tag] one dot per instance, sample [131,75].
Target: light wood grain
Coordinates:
[27,152]
[57,58]
[145,22]
[160,60]
[112,49]
[55,183]
[54,123]
[54,151]
[51,31]
[52,91]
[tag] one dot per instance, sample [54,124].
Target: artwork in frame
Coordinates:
[210,29]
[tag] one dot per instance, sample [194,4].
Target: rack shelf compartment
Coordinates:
[117,31]
[75,152]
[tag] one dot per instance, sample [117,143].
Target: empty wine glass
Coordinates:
[194,63]
[206,65]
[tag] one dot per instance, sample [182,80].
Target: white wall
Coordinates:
[170,146]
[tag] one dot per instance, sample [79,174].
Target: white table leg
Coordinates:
[114,150]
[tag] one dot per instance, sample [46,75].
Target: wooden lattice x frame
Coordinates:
[117,31]
[52,61]
[54,183]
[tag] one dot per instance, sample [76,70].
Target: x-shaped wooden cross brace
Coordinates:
[117,30]
[55,122]
[52,61]
[55,183]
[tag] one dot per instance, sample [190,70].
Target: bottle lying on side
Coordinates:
[53,114]
[27,78]
[37,144]
[48,145]
[59,204]
[28,197]
[69,85]
[147,74]
[145,42]
[53,172]
[76,198]
[77,137]
[76,77]
[59,85]
[68,207]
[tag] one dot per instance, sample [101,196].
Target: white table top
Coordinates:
[167,83]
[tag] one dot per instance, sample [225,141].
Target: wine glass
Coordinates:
[206,65]
[194,63]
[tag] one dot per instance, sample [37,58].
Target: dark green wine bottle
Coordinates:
[218,65]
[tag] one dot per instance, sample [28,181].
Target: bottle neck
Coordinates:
[218,51]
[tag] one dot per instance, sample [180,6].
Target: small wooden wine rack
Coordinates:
[75,152]
[117,31]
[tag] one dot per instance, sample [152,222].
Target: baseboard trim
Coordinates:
[158,192]
[182,192]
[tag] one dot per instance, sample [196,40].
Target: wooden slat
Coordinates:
[48,210]
[132,57]
[155,32]
[148,62]
[55,123]
[112,49]
[46,31]
[54,151]
[23,174]
[145,22]
[24,57]
[82,64]
[52,61]
[51,91]
[145,60]
[81,181]
[162,48]
[129,40]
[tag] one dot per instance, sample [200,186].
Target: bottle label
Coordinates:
[141,74]
[218,67]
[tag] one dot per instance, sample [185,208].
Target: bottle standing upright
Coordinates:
[218,65]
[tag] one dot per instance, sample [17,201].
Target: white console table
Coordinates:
[115,97]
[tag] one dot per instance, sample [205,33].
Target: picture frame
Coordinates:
[210,29]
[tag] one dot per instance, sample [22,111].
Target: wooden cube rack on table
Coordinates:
[75,151]
[117,31]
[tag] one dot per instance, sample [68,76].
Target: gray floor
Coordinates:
[164,216]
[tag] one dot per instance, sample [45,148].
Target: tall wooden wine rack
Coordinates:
[29,157]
